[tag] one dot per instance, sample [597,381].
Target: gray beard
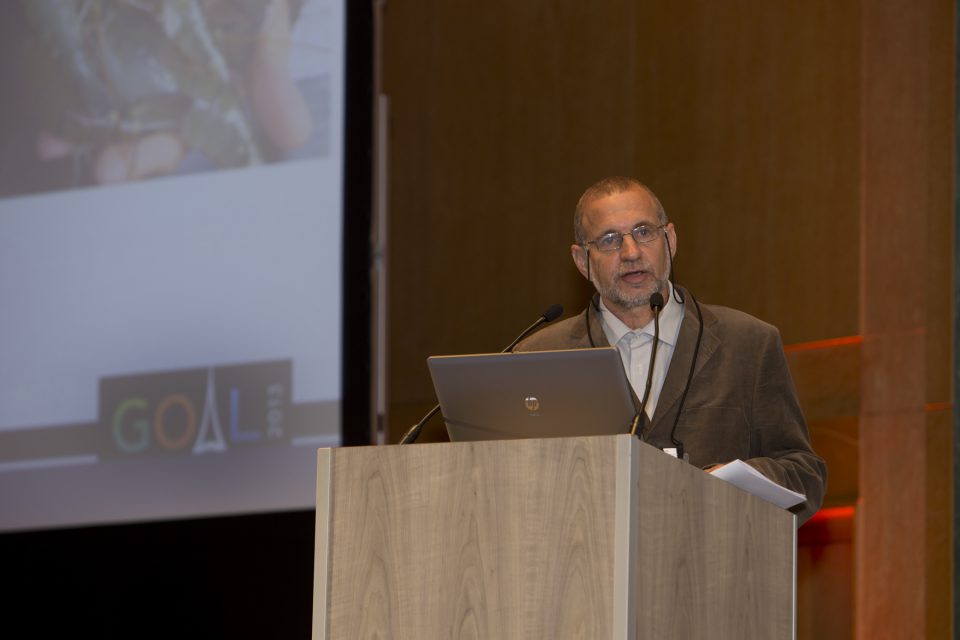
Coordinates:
[639,299]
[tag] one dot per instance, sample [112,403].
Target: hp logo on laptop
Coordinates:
[532,403]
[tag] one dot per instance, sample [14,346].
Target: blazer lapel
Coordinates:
[582,335]
[679,368]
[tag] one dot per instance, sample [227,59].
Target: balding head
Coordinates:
[606,187]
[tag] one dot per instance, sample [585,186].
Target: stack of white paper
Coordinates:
[740,474]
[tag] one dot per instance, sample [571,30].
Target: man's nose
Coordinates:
[630,248]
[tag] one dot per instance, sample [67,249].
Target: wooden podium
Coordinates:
[593,537]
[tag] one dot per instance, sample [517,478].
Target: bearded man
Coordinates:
[720,389]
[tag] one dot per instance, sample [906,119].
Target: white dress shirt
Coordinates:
[634,347]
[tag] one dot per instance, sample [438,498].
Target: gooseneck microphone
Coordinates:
[553,312]
[656,304]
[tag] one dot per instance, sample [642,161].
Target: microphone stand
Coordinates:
[656,304]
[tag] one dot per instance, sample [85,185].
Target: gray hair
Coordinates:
[608,187]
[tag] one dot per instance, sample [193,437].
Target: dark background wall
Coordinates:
[237,577]
[742,116]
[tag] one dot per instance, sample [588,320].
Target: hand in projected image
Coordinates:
[277,105]
[131,159]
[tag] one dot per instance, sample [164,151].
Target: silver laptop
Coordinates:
[536,394]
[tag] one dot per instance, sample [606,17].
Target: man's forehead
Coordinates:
[631,207]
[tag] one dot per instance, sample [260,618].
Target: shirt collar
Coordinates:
[670,318]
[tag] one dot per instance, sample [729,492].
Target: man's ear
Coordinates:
[580,258]
[672,235]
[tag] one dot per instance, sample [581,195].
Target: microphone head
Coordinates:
[553,312]
[656,301]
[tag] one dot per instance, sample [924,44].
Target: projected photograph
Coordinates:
[170,347]
[113,91]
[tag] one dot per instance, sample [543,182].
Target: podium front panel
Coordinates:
[499,539]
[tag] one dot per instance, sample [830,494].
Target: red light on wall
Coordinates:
[829,343]
[827,526]
[833,513]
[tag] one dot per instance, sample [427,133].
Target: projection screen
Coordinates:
[170,256]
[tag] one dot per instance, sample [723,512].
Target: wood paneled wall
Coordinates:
[804,151]
[498,121]
[743,118]
[904,544]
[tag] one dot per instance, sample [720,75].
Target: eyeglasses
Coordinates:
[612,241]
